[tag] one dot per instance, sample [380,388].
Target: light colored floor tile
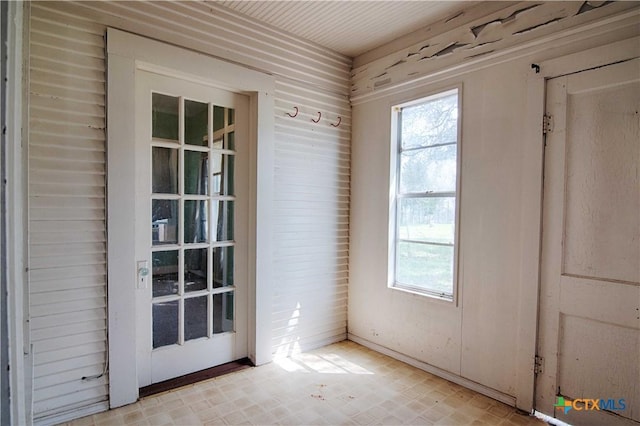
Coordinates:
[208,415]
[421,421]
[160,419]
[133,417]
[180,412]
[341,384]
[213,422]
[500,410]
[234,418]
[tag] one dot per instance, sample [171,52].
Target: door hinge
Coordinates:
[538,364]
[547,124]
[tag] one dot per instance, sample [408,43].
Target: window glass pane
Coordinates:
[231,141]
[229,184]
[427,219]
[428,170]
[164,115]
[222,217]
[222,312]
[196,221]
[165,273]
[195,270]
[164,221]
[222,267]
[223,133]
[196,123]
[425,266]
[222,169]
[218,118]
[195,317]
[433,122]
[196,171]
[164,171]
[165,323]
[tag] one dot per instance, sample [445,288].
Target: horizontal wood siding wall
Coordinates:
[312,169]
[67,237]
[67,181]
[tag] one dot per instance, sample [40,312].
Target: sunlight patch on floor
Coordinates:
[324,364]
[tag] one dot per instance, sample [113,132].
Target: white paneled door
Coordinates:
[191,226]
[589,330]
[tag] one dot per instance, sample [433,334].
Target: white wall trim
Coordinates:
[469,384]
[306,347]
[614,23]
[126,52]
[588,59]
[531,230]
[16,215]
[73,414]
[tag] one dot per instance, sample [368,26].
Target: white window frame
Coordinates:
[394,176]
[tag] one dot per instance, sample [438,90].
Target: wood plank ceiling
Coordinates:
[349,27]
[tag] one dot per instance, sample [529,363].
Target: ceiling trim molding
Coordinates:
[447,23]
[454,53]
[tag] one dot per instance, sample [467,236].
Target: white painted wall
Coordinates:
[489,337]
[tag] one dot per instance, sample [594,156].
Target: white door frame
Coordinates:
[127,53]
[581,61]
[15,307]
[532,209]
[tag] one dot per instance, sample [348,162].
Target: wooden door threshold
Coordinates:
[198,376]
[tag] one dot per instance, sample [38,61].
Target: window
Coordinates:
[424,194]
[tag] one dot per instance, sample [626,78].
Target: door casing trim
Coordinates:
[126,53]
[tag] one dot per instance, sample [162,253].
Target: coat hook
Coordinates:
[319,117]
[293,115]
[338,123]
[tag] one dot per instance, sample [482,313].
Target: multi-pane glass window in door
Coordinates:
[192,148]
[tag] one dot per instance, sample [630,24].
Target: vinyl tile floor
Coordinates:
[340,384]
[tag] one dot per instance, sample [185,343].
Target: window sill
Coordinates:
[417,292]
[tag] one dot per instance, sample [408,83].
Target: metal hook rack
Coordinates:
[315,120]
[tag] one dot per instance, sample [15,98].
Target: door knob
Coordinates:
[143,273]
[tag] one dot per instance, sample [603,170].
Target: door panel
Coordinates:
[601,180]
[589,331]
[191,226]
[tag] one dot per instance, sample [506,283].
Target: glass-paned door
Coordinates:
[193,190]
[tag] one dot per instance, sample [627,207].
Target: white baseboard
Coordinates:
[77,413]
[307,345]
[470,384]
